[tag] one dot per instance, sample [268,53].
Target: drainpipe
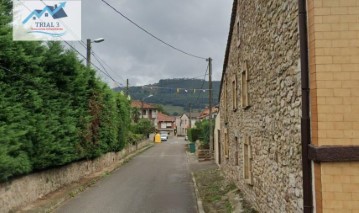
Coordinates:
[305,120]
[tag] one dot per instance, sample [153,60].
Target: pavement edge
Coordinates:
[199,201]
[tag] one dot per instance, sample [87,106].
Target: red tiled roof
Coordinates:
[205,112]
[162,117]
[138,104]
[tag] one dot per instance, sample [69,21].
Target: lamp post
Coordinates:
[142,103]
[88,59]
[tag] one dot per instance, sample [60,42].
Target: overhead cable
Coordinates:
[152,35]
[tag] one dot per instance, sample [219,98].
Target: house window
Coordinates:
[238,25]
[247,160]
[34,18]
[244,87]
[234,93]
[46,15]
[236,160]
[226,144]
[225,101]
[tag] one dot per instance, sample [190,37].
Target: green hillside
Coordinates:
[166,92]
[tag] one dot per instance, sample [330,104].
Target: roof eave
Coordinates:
[229,41]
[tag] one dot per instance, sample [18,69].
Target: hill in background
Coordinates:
[175,94]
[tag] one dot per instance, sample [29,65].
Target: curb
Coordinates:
[76,189]
[199,201]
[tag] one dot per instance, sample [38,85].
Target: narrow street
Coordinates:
[157,180]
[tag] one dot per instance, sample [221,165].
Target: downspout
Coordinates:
[305,120]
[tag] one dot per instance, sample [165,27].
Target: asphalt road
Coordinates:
[157,181]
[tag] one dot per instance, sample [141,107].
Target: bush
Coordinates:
[134,138]
[201,131]
[143,127]
[194,134]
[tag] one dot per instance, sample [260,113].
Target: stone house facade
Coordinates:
[260,105]
[262,102]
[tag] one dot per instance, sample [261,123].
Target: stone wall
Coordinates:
[27,189]
[269,44]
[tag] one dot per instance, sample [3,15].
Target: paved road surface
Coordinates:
[157,181]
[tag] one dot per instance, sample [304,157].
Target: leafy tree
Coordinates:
[135,114]
[144,127]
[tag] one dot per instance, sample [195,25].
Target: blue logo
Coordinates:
[42,23]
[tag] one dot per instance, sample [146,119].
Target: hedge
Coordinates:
[53,109]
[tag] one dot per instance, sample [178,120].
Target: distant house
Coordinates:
[56,12]
[194,117]
[182,124]
[205,113]
[165,123]
[146,110]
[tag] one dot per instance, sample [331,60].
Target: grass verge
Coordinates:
[219,195]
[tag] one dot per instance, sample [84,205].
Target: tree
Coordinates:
[144,127]
[135,114]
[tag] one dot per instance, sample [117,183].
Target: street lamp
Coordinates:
[143,99]
[98,40]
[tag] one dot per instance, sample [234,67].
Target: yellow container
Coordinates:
[157,138]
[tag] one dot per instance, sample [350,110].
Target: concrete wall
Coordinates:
[268,41]
[27,189]
[334,71]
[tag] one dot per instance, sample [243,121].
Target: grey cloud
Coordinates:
[197,26]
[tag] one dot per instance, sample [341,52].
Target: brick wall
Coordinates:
[334,71]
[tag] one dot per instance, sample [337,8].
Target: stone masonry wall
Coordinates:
[27,189]
[269,43]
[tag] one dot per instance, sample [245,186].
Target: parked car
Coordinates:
[164,136]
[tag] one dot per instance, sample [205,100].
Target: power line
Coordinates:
[102,63]
[85,58]
[119,84]
[207,69]
[108,75]
[152,35]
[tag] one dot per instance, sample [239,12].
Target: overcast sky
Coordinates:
[196,26]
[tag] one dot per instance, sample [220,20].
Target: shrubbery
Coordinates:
[53,110]
[200,132]
[143,127]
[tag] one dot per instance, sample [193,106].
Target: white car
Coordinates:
[164,136]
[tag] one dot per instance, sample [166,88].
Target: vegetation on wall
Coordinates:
[54,110]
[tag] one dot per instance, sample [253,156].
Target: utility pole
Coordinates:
[88,49]
[88,59]
[190,115]
[127,85]
[210,105]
